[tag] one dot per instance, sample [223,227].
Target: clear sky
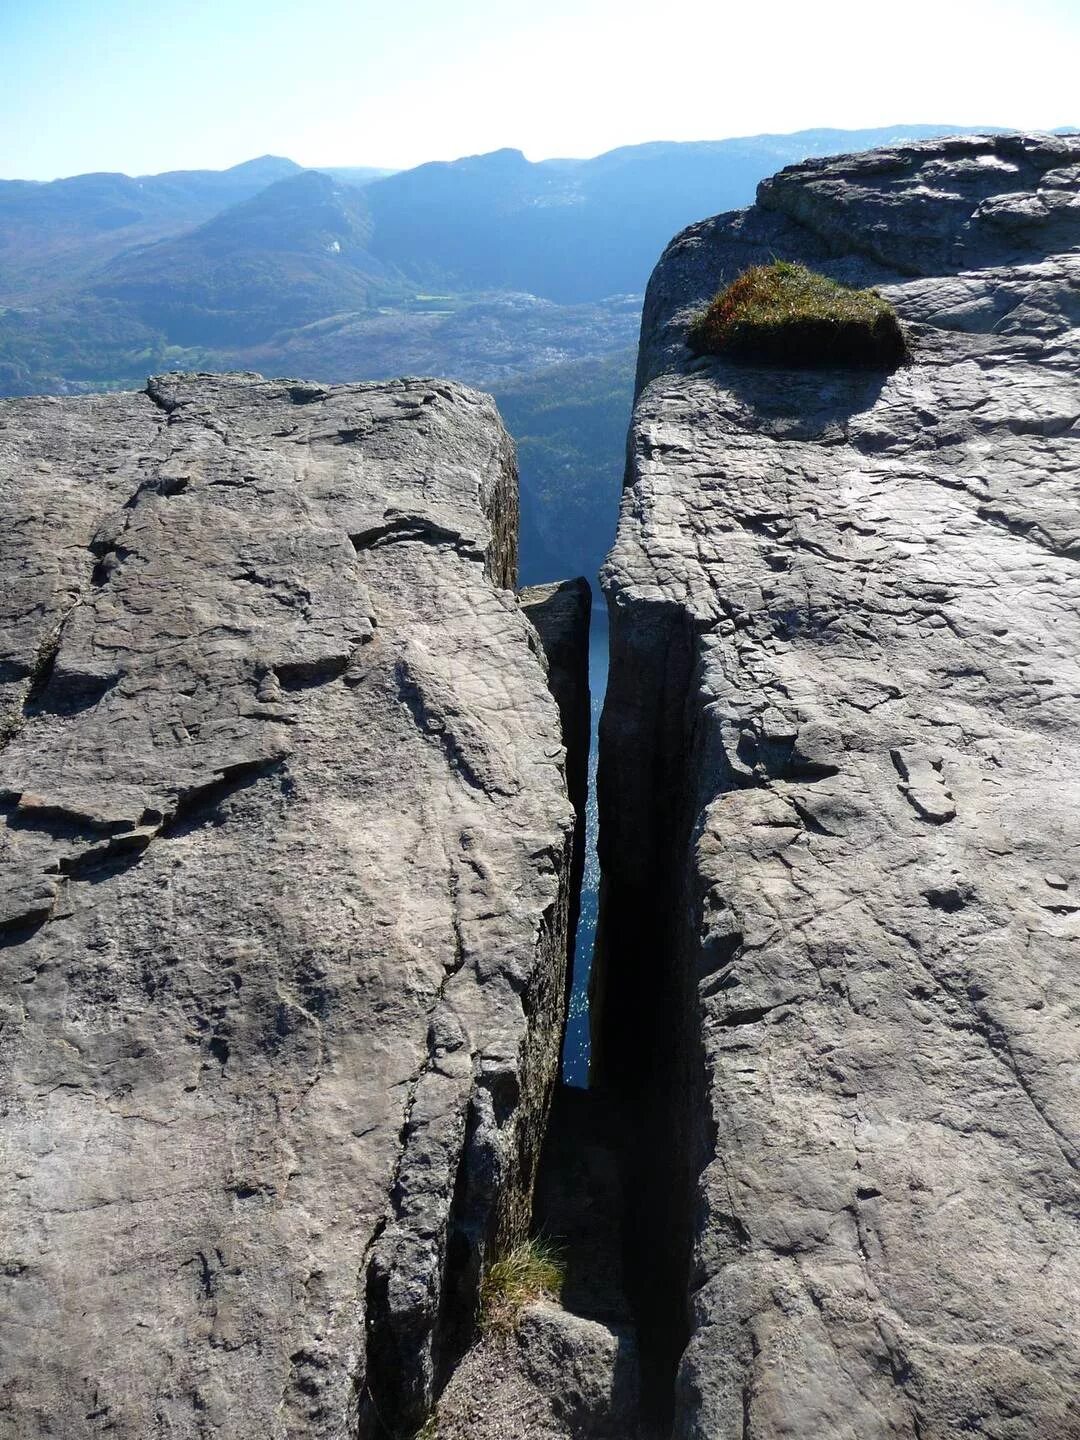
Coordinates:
[136,86]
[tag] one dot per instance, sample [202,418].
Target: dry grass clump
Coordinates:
[785,314]
[531,1271]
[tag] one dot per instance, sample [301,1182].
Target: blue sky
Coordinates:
[128,85]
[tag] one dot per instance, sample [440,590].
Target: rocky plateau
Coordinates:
[287,870]
[839,786]
[291,779]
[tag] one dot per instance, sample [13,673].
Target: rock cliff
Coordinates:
[560,614]
[286,855]
[839,786]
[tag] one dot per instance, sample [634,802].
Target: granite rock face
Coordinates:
[558,1376]
[286,856]
[839,799]
[560,613]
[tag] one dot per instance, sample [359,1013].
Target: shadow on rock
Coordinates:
[803,404]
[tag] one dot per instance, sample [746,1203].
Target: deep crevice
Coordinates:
[646,1036]
[579,1191]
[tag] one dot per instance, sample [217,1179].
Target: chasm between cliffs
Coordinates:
[616,1178]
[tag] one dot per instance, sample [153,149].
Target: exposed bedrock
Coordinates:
[286,857]
[839,799]
[565,1369]
[560,613]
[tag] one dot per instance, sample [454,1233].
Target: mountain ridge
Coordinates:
[86,220]
[292,253]
[443,278]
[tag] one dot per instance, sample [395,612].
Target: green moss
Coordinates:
[531,1271]
[785,314]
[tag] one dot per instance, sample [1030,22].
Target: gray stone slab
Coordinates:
[840,781]
[285,848]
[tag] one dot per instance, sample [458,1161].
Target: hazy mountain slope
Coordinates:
[294,253]
[53,234]
[80,345]
[486,340]
[359,175]
[90,306]
[574,230]
[566,230]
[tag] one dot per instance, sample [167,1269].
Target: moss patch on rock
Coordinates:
[785,314]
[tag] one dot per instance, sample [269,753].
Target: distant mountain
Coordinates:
[359,175]
[294,253]
[54,234]
[565,230]
[524,278]
[577,230]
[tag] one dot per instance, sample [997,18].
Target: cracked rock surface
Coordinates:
[557,1376]
[285,854]
[844,709]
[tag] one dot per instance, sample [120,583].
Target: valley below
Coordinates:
[523,279]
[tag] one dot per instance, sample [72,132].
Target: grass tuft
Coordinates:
[785,314]
[533,1270]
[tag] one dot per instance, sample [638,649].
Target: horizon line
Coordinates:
[389,170]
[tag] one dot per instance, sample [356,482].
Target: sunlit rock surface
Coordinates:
[839,791]
[285,848]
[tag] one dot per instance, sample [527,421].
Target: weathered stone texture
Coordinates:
[844,711]
[560,613]
[285,856]
[558,1376]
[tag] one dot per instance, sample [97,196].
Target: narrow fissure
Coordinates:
[616,1183]
[577,1043]
[645,1037]
[582,1188]
[621,1152]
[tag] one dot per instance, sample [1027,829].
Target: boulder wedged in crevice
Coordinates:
[565,1368]
[557,1376]
[560,612]
[286,902]
[838,796]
